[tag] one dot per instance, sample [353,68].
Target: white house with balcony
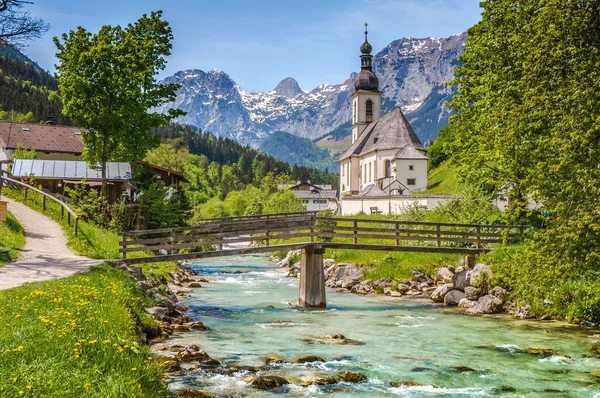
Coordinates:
[385,153]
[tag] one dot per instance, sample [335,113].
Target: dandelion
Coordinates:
[19,348]
[133,369]
[21,392]
[29,387]
[14,379]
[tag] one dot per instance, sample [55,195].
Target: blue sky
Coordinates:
[260,42]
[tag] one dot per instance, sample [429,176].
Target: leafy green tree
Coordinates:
[108,84]
[284,201]
[169,156]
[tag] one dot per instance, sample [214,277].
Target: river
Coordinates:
[448,354]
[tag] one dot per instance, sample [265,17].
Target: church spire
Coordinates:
[366,79]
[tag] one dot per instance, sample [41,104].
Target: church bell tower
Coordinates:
[366,101]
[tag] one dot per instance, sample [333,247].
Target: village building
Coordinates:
[386,163]
[314,197]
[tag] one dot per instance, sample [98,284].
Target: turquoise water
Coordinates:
[404,340]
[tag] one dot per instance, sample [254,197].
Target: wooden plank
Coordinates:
[492,226]
[415,249]
[409,238]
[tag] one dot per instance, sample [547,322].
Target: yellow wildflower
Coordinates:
[133,369]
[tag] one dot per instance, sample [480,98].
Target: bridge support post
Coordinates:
[312,278]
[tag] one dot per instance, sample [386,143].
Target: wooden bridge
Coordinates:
[312,234]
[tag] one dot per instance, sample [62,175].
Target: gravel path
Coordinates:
[45,255]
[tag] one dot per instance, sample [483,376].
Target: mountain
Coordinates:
[412,73]
[297,150]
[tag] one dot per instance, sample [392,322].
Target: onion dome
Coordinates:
[366,79]
[366,47]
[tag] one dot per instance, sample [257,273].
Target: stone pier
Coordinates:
[312,278]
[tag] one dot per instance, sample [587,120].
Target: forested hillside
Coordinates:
[297,150]
[27,89]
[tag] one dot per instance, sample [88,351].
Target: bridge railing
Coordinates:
[279,230]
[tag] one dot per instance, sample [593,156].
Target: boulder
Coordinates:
[324,381]
[419,276]
[337,338]
[194,285]
[472,293]
[197,326]
[445,274]
[363,288]
[168,363]
[351,277]
[439,293]
[386,282]
[466,303]
[480,275]
[403,288]
[189,393]
[413,293]
[309,358]
[192,353]
[157,312]
[523,312]
[453,297]
[274,359]
[269,382]
[422,285]
[499,292]
[460,280]
[393,293]
[486,305]
[353,377]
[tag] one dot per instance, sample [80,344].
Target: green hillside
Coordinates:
[297,150]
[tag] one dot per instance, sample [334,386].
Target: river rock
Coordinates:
[168,363]
[336,338]
[309,358]
[157,312]
[439,293]
[595,375]
[466,303]
[197,326]
[274,359]
[363,288]
[413,292]
[499,292]
[324,381]
[189,393]
[351,277]
[393,293]
[453,297]
[403,288]
[480,275]
[420,277]
[269,382]
[460,279]
[445,274]
[462,369]
[192,353]
[523,312]
[486,305]
[472,293]
[540,352]
[194,285]
[353,377]
[385,282]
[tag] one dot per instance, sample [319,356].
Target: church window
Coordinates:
[370,174]
[364,172]
[369,108]
[411,167]
[388,168]
[411,181]
[354,113]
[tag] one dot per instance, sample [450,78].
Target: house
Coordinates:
[314,197]
[169,177]
[50,142]
[385,153]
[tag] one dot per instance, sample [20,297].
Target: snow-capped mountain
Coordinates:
[411,72]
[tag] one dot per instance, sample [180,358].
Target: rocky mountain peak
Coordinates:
[288,87]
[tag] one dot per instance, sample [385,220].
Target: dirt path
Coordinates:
[45,255]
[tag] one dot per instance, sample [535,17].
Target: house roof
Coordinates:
[371,191]
[42,138]
[409,152]
[303,186]
[69,170]
[169,171]
[391,131]
[324,194]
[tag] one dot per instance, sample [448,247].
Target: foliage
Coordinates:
[77,336]
[527,124]
[327,222]
[297,150]
[441,148]
[88,201]
[12,237]
[165,207]
[108,83]
[284,201]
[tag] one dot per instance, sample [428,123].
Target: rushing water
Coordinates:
[251,315]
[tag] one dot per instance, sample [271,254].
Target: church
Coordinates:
[386,158]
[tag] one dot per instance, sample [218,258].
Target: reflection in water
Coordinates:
[438,351]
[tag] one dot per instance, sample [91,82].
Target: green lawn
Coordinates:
[12,238]
[443,180]
[77,337]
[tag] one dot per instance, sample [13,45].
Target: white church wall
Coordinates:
[394,204]
[418,173]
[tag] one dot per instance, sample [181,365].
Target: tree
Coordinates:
[284,201]
[108,84]
[18,26]
[528,112]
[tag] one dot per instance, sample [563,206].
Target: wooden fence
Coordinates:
[282,231]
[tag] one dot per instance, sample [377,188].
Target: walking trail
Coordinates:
[45,255]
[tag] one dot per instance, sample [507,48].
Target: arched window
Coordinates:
[370,174]
[369,108]
[388,168]
[364,173]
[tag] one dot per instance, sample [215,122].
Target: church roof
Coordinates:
[371,190]
[410,152]
[391,131]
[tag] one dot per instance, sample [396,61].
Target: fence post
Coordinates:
[43,202]
[312,228]
[69,218]
[267,229]
[478,236]
[397,233]
[62,212]
[25,195]
[172,240]
[355,232]
[124,246]
[438,235]
[76,225]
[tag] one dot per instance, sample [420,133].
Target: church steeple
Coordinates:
[366,79]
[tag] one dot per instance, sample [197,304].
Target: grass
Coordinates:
[77,337]
[443,180]
[12,238]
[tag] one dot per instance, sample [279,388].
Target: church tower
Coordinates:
[366,101]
